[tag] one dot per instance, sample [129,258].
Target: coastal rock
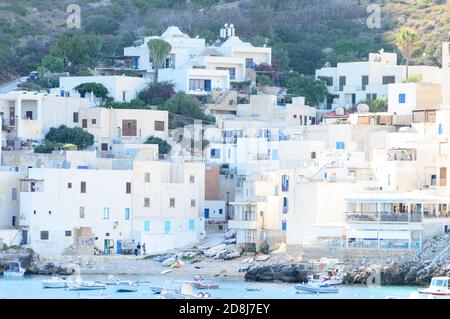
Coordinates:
[284,273]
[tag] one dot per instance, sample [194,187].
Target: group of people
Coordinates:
[139,249]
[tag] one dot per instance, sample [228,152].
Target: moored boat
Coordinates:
[186,292]
[13,269]
[127,288]
[438,289]
[55,282]
[316,288]
[86,285]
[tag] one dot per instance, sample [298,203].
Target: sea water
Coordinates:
[30,287]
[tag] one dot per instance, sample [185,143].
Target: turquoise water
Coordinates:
[30,287]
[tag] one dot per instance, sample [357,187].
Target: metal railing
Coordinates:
[383,217]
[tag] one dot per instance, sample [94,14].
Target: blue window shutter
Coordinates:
[146,225]
[167,226]
[283,226]
[402,98]
[340,145]
[191,224]
[127,213]
[274,155]
[441,129]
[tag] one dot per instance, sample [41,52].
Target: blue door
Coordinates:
[206,212]
[119,247]
[208,85]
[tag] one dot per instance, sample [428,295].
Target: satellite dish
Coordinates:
[362,108]
[340,111]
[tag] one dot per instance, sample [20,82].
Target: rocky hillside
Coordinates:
[304,34]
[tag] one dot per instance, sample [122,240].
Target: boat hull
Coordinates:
[317,289]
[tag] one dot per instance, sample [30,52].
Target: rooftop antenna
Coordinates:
[227,31]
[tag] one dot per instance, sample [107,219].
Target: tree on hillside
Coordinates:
[314,91]
[159,50]
[184,109]
[77,49]
[98,89]
[163,146]
[52,63]
[66,135]
[157,93]
[406,43]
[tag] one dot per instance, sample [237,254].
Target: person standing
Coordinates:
[138,248]
[143,248]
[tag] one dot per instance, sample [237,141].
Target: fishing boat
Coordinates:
[205,284]
[13,269]
[330,274]
[55,282]
[156,290]
[252,289]
[186,292]
[86,285]
[127,288]
[316,288]
[438,289]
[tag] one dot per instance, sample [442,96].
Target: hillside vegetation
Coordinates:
[304,34]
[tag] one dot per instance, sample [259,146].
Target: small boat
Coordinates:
[166,271]
[316,288]
[13,269]
[86,285]
[55,282]
[156,290]
[127,289]
[186,292]
[204,284]
[253,289]
[168,262]
[438,289]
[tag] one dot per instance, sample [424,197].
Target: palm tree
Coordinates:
[406,43]
[158,49]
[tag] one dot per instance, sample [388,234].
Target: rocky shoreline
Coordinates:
[415,269]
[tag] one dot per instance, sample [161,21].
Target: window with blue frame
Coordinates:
[167,226]
[340,145]
[274,155]
[402,98]
[285,183]
[440,129]
[215,153]
[285,205]
[191,224]
[146,225]
[106,213]
[127,213]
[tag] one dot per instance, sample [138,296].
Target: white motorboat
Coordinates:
[55,282]
[186,292]
[439,289]
[13,269]
[317,288]
[86,285]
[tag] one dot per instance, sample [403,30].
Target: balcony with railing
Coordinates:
[382,217]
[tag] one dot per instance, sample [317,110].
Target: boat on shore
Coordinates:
[438,289]
[86,285]
[316,288]
[201,283]
[13,269]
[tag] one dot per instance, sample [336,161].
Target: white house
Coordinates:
[156,203]
[120,88]
[117,126]
[403,98]
[353,82]
[196,68]
[30,115]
